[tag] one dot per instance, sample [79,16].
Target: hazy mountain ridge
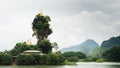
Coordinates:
[89,46]
[85,47]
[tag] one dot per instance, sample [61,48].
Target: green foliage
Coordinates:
[45,59]
[61,58]
[73,59]
[113,54]
[47,18]
[100,60]
[48,59]
[56,59]
[45,46]
[42,27]
[69,63]
[74,56]
[5,58]
[37,59]
[114,41]
[80,55]
[34,47]
[97,52]
[19,48]
[21,59]
[54,45]
[69,54]
[14,52]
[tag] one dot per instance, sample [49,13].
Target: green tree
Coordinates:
[41,29]
[45,46]
[5,58]
[113,54]
[19,48]
[97,52]
[25,60]
[21,59]
[45,59]
[61,59]
[69,54]
[54,59]
[113,41]
[54,45]
[38,59]
[41,26]
[14,52]
[73,59]
[80,55]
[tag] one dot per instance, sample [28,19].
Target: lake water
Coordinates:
[79,65]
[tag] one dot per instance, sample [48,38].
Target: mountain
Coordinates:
[85,47]
[113,41]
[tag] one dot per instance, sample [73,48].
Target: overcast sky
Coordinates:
[73,21]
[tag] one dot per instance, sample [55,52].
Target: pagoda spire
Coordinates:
[29,42]
[41,14]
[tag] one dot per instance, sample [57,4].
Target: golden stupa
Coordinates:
[41,14]
[29,42]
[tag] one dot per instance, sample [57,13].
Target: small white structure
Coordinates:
[29,52]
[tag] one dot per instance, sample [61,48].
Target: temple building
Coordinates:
[29,52]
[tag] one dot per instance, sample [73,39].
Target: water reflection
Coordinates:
[79,65]
[113,66]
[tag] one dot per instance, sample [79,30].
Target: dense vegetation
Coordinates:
[41,26]
[113,54]
[20,47]
[45,46]
[80,55]
[49,59]
[111,49]
[114,41]
[5,58]
[74,56]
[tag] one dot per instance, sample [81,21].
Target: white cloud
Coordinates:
[73,21]
[86,25]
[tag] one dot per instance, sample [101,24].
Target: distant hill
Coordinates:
[107,44]
[85,47]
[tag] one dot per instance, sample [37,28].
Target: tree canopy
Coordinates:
[114,41]
[80,55]
[41,27]
[113,54]
[45,46]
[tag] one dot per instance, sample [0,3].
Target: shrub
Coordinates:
[112,54]
[38,59]
[49,59]
[80,55]
[53,59]
[25,60]
[45,59]
[5,58]
[100,60]
[69,63]
[73,59]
